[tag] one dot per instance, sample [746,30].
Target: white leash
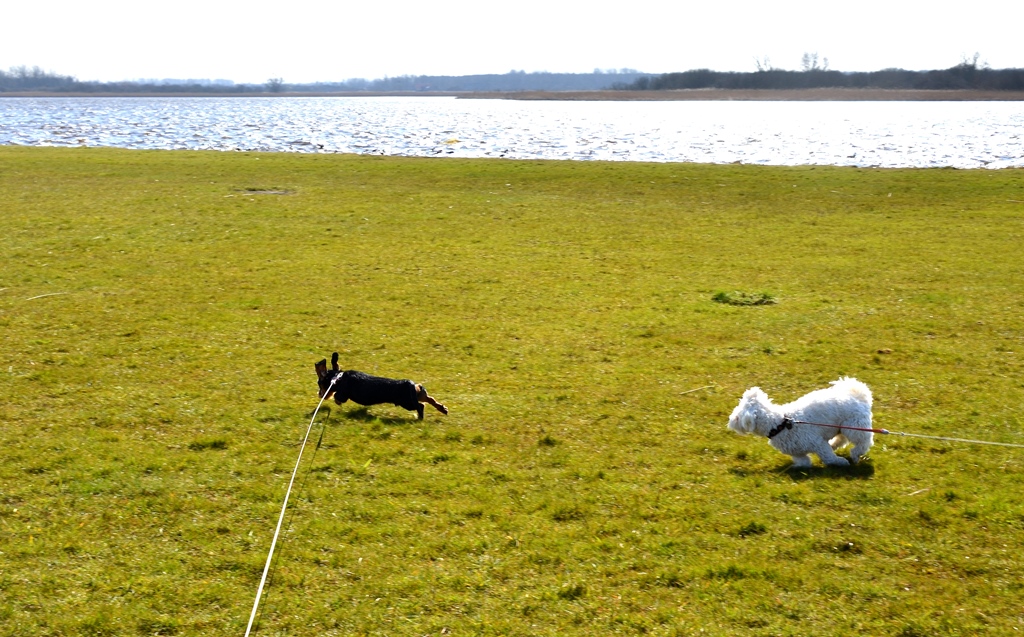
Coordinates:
[284,507]
[903,433]
[973,442]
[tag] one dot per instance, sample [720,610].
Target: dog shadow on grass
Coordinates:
[863,470]
[363,415]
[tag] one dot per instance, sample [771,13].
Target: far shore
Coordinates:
[773,95]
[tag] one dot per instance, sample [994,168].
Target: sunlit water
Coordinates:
[887,134]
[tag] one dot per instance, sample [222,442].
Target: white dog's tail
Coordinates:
[855,388]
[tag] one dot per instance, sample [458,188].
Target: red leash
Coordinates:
[821,424]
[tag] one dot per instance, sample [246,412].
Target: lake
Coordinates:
[883,134]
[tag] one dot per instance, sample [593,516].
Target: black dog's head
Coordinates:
[324,376]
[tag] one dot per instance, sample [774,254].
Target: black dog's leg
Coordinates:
[422,397]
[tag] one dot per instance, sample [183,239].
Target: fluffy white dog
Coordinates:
[847,403]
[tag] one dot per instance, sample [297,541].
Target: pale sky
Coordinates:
[305,41]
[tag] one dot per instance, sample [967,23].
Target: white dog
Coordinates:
[847,403]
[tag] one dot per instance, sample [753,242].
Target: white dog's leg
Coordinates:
[838,441]
[858,451]
[829,457]
[801,461]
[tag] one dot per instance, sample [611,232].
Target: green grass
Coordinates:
[161,313]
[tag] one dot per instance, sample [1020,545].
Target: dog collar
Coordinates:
[787,423]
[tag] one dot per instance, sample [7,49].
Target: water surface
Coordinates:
[886,134]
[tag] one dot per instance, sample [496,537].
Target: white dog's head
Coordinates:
[744,418]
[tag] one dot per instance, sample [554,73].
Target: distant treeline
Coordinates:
[964,76]
[512,81]
[35,79]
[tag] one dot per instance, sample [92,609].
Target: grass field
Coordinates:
[161,313]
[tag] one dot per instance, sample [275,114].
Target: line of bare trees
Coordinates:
[24,79]
[815,73]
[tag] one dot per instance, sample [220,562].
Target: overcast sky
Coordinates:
[318,40]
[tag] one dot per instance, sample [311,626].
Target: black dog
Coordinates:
[367,390]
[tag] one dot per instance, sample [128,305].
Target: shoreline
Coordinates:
[765,95]
[753,95]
